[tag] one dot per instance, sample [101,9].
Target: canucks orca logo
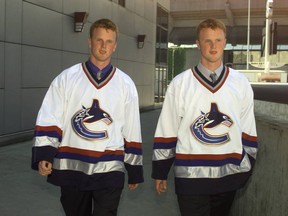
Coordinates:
[87,116]
[209,121]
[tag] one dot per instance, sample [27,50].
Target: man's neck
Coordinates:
[212,66]
[99,64]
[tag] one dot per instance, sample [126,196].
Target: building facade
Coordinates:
[37,41]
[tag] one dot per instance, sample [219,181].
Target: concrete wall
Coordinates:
[37,41]
[266,192]
[277,111]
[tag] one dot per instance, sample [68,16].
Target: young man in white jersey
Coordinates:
[207,130]
[88,130]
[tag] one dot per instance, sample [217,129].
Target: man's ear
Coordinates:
[198,46]
[89,42]
[115,47]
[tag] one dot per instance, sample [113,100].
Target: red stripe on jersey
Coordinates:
[89,152]
[48,128]
[165,140]
[207,157]
[249,137]
[133,144]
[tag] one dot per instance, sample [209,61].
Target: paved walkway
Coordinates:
[25,193]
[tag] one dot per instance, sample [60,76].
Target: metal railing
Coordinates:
[271,92]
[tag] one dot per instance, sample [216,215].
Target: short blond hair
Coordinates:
[211,23]
[106,24]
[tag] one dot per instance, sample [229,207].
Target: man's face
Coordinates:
[102,44]
[211,44]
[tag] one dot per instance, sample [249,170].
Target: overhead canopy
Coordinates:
[187,14]
[235,35]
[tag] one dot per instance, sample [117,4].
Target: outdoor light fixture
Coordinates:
[80,18]
[140,41]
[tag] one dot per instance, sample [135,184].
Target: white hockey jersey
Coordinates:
[89,128]
[208,131]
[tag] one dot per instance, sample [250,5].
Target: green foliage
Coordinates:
[176,61]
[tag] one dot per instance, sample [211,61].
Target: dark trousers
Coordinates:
[206,205]
[103,202]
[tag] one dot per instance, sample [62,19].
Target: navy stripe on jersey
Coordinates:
[49,131]
[164,143]
[250,141]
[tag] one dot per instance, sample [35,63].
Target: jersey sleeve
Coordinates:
[248,124]
[133,159]
[165,138]
[48,129]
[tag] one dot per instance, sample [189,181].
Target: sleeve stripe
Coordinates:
[133,144]
[249,137]
[165,139]
[48,129]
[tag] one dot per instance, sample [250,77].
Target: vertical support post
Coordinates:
[269,13]
[248,38]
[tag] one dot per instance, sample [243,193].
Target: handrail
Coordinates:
[271,92]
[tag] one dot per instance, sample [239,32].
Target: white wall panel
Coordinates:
[150,11]
[2,65]
[74,41]
[139,26]
[127,67]
[146,96]
[126,22]
[149,53]
[12,110]
[12,93]
[41,27]
[1,111]
[2,19]
[115,14]
[144,74]
[130,5]
[13,66]
[150,28]
[127,46]
[55,5]
[40,66]
[100,9]
[139,7]
[71,6]
[13,21]
[70,59]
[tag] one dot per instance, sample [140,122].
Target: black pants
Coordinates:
[103,202]
[206,205]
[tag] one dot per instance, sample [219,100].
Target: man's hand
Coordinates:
[161,185]
[45,168]
[132,186]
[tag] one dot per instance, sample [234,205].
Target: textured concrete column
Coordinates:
[266,193]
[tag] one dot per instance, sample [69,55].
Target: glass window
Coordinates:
[161,59]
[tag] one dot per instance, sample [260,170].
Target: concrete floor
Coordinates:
[25,193]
